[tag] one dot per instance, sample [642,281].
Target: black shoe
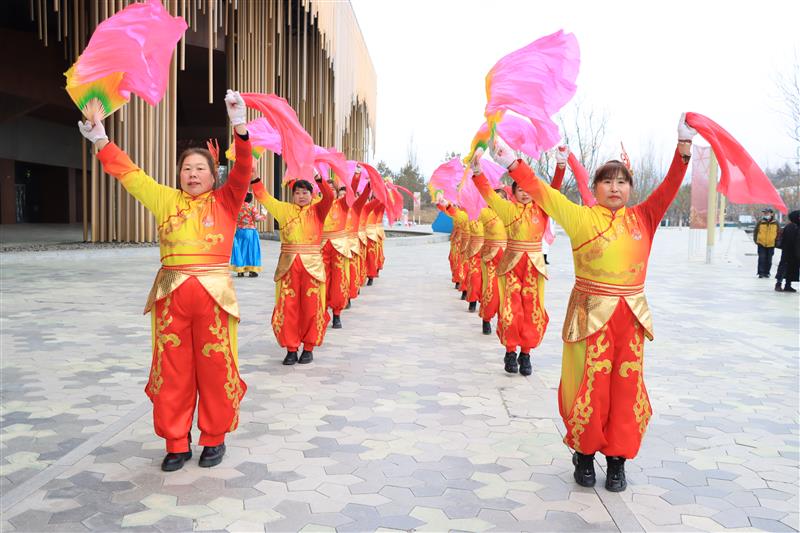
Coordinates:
[584,469]
[369,281]
[253,274]
[306,357]
[240,274]
[615,474]
[174,461]
[473,306]
[457,285]
[510,361]
[545,259]
[487,328]
[463,295]
[525,364]
[788,288]
[337,322]
[290,359]
[212,455]
[778,287]
[348,305]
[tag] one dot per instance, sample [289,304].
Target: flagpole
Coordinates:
[711,220]
[721,214]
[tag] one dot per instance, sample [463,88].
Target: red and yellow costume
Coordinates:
[602,396]
[193,304]
[523,319]
[363,241]
[300,315]
[357,257]
[473,282]
[373,259]
[336,256]
[494,243]
[461,237]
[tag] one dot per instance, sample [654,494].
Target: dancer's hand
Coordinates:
[562,153]
[475,162]
[237,111]
[93,132]
[685,131]
[502,153]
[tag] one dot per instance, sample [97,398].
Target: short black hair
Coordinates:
[248,197]
[302,184]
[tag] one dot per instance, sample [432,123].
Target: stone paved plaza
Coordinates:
[405,420]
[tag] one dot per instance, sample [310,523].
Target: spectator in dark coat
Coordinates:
[789,267]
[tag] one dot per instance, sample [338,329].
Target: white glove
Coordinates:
[237,111]
[502,153]
[561,155]
[475,162]
[93,132]
[685,131]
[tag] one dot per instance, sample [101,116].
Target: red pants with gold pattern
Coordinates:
[473,279]
[602,397]
[381,256]
[194,354]
[490,298]
[337,278]
[300,315]
[523,319]
[373,258]
[355,275]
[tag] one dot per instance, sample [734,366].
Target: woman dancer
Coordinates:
[192,303]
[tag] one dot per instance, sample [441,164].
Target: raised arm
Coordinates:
[654,207]
[279,210]
[503,208]
[324,205]
[117,163]
[555,204]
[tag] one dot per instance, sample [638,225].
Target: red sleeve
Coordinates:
[323,206]
[358,205]
[451,211]
[654,207]
[558,177]
[482,185]
[234,190]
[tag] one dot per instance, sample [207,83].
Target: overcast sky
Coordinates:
[642,63]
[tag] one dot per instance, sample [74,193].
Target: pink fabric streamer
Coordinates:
[493,172]
[741,179]
[549,236]
[139,41]
[581,180]
[470,199]
[535,81]
[518,132]
[297,147]
[446,178]
[376,181]
[394,205]
[332,159]
[264,135]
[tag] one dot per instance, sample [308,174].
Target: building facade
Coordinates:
[310,52]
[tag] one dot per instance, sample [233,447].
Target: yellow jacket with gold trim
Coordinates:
[610,250]
[335,228]
[195,232]
[524,223]
[300,229]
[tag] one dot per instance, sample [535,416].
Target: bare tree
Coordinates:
[647,173]
[789,87]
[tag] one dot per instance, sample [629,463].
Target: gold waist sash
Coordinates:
[215,279]
[490,248]
[592,303]
[516,250]
[310,255]
[474,245]
[340,240]
[523,246]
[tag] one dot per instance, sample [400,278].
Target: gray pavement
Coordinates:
[405,420]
